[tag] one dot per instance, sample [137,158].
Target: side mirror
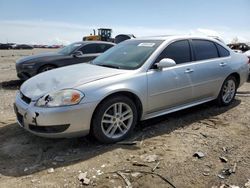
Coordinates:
[77,54]
[166,62]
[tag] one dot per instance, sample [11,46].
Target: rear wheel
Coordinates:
[114,119]
[228,91]
[46,68]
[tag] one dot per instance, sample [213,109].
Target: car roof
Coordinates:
[93,42]
[176,37]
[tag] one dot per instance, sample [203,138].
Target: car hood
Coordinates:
[65,77]
[40,56]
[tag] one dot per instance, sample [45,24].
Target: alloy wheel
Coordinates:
[117,120]
[229,89]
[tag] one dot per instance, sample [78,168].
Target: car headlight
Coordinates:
[64,97]
[28,65]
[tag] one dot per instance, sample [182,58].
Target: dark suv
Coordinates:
[79,52]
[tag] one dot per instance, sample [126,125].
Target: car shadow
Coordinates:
[11,85]
[22,153]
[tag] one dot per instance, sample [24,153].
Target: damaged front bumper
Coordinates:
[56,122]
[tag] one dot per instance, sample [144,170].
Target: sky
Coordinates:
[64,21]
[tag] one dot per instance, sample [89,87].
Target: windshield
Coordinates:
[67,50]
[129,55]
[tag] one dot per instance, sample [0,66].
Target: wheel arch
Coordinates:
[137,101]
[44,65]
[237,77]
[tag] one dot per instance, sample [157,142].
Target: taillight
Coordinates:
[248,60]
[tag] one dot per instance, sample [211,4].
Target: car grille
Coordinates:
[24,98]
[49,129]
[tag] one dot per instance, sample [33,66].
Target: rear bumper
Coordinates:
[58,122]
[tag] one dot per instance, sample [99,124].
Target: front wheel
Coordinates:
[228,91]
[114,119]
[46,68]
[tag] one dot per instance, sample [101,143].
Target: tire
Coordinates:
[108,123]
[46,68]
[227,92]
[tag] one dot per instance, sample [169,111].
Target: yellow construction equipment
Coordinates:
[104,34]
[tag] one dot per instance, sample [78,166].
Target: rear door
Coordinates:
[210,68]
[172,86]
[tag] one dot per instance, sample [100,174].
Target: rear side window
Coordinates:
[103,47]
[222,51]
[178,51]
[204,49]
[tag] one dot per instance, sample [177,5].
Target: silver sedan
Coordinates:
[136,80]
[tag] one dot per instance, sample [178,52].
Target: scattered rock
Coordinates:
[149,158]
[135,163]
[199,154]
[156,166]
[228,186]
[103,166]
[112,181]
[225,173]
[51,170]
[83,178]
[206,172]
[59,159]
[225,149]
[136,174]
[34,180]
[204,135]
[221,176]
[99,172]
[196,128]
[234,168]
[223,159]
[208,164]
[247,184]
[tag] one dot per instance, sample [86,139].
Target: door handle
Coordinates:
[222,64]
[189,70]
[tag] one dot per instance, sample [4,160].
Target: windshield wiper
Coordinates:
[109,66]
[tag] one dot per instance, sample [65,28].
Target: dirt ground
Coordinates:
[160,151]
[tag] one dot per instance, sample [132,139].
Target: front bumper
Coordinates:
[24,73]
[57,122]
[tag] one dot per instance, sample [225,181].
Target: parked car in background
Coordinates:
[23,46]
[122,37]
[239,46]
[78,52]
[6,46]
[137,79]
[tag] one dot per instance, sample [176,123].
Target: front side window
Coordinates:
[130,54]
[178,51]
[89,49]
[67,50]
[204,49]
[103,47]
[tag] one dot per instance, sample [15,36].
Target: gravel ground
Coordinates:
[159,154]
